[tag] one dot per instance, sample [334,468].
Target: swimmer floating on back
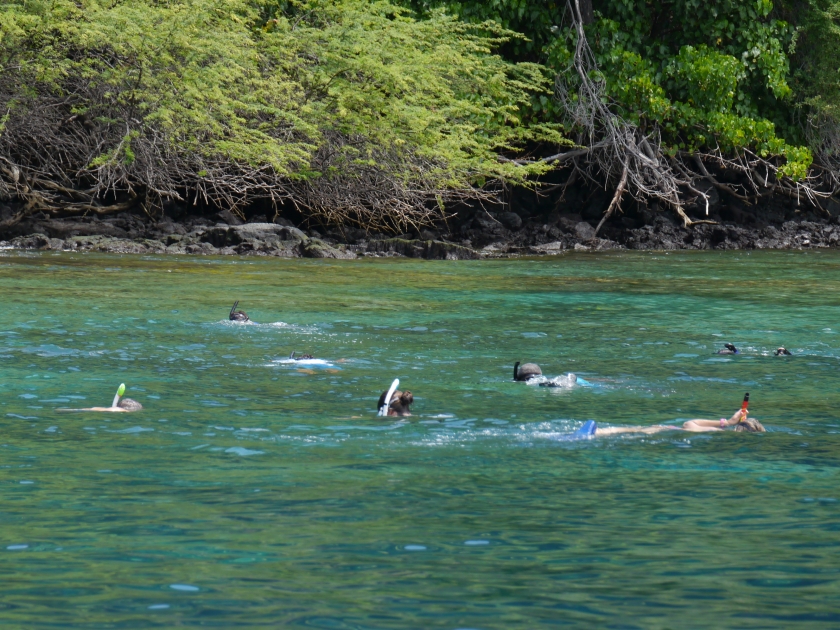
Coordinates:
[119,405]
[739,420]
[237,316]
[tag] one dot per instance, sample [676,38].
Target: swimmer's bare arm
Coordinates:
[699,426]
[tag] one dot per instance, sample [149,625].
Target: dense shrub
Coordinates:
[347,108]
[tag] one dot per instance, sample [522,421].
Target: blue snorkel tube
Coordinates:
[586,432]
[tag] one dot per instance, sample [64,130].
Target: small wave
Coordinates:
[390,427]
[191,347]
[50,350]
[244,452]
[230,322]
[564,381]
[310,363]
[131,430]
[250,322]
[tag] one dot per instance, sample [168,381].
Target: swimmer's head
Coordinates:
[406,398]
[782,350]
[237,316]
[400,402]
[525,371]
[731,347]
[750,425]
[129,405]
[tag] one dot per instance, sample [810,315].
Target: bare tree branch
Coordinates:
[616,200]
[618,151]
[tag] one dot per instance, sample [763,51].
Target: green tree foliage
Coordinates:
[707,74]
[815,76]
[232,99]
[710,75]
[361,104]
[431,85]
[533,18]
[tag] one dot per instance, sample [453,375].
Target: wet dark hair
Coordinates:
[525,371]
[750,425]
[129,405]
[406,398]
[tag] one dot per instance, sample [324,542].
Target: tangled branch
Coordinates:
[380,197]
[620,154]
[62,163]
[823,135]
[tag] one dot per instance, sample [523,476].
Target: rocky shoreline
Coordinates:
[470,235]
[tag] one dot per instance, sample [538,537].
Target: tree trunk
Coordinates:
[587,15]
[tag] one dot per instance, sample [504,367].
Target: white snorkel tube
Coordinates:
[118,395]
[383,410]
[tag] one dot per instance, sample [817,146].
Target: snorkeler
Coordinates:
[739,420]
[728,348]
[119,404]
[237,316]
[400,402]
[781,350]
[526,371]
[397,402]
[303,357]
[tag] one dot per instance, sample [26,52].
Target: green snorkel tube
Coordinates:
[118,395]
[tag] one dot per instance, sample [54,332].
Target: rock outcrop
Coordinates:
[467,236]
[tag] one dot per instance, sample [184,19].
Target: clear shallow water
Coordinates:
[250,493]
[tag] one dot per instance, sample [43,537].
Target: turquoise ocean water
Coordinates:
[254,493]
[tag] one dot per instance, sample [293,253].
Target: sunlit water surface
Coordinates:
[253,493]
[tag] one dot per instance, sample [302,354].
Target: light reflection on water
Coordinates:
[252,491]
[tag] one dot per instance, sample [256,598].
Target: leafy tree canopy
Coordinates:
[707,74]
[302,90]
[386,104]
